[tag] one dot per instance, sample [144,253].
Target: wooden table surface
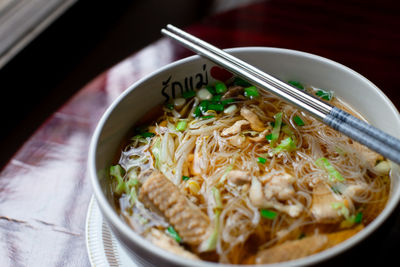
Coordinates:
[45,189]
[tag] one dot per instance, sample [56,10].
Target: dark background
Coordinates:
[85,41]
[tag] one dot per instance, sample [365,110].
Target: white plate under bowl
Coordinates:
[102,247]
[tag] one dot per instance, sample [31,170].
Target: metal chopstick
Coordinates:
[306,99]
[356,129]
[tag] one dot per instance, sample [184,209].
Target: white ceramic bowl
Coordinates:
[118,120]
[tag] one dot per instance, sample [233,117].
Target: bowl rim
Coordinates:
[115,219]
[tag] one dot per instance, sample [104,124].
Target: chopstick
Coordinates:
[336,118]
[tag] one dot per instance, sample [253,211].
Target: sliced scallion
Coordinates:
[171,231]
[203,106]
[298,120]
[327,95]
[227,101]
[197,112]
[188,94]
[359,217]
[147,134]
[216,98]
[220,88]
[296,84]
[181,125]
[277,128]
[118,173]
[325,164]
[286,144]
[185,178]
[341,208]
[169,106]
[268,214]
[207,117]
[241,82]
[251,92]
[216,107]
[211,89]
[262,160]
[211,242]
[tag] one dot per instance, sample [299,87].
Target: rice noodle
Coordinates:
[208,157]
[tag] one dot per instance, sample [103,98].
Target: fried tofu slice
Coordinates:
[321,207]
[164,241]
[291,250]
[338,237]
[255,123]
[295,249]
[162,196]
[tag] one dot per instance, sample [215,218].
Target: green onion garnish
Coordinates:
[286,129]
[147,134]
[133,196]
[211,242]
[324,163]
[169,106]
[217,198]
[269,137]
[251,92]
[262,160]
[185,178]
[359,217]
[211,89]
[296,84]
[171,231]
[181,125]
[277,128]
[268,214]
[207,117]
[188,94]
[118,173]
[286,144]
[298,120]
[341,208]
[220,88]
[241,82]
[197,112]
[216,98]
[216,107]
[227,101]
[204,106]
[327,95]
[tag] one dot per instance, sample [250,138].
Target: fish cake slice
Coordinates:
[189,221]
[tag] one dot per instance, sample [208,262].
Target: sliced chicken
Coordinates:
[235,128]
[255,123]
[279,186]
[239,177]
[256,194]
[189,221]
[296,249]
[166,242]
[233,91]
[368,155]
[321,207]
[259,200]
[238,140]
[260,137]
[355,191]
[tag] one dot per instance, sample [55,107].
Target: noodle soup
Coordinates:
[230,174]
